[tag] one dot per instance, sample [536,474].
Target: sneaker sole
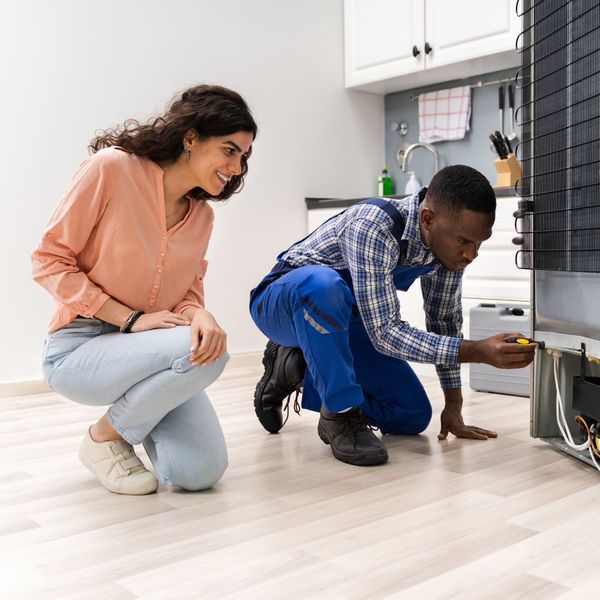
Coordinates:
[366,459]
[268,362]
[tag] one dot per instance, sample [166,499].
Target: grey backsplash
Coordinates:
[473,150]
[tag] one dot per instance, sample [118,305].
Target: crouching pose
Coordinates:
[330,309]
[123,256]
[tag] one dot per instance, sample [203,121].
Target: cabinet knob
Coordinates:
[428,48]
[415,51]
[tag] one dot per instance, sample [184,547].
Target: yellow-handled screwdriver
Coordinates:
[524,340]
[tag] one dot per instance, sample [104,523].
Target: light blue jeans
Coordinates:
[156,395]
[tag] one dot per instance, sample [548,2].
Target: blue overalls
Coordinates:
[313,308]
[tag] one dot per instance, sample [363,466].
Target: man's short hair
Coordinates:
[458,187]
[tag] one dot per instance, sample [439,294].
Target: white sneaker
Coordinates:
[117,466]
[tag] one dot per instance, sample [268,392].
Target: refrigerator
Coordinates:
[558,217]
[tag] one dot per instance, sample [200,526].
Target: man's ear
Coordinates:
[427,216]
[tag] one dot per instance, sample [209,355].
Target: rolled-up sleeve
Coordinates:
[55,260]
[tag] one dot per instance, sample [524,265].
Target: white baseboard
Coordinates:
[245,360]
[39,386]
[24,388]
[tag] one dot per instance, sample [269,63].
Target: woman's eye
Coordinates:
[229,151]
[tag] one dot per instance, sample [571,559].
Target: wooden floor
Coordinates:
[505,518]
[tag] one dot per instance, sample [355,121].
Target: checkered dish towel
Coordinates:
[445,114]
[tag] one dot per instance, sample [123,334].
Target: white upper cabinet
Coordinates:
[380,36]
[391,45]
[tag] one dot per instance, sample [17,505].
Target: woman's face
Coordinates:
[215,160]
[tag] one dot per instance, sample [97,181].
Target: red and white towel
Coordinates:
[445,114]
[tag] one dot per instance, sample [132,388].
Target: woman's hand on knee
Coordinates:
[162,319]
[209,341]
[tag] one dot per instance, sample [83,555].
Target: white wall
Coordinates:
[70,67]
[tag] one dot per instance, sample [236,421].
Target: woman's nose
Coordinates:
[235,166]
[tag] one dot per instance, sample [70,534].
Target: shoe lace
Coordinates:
[296,405]
[355,422]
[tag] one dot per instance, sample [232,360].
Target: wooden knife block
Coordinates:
[508,170]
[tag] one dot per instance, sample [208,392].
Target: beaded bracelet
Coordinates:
[132,317]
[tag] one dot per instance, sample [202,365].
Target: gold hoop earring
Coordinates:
[187,153]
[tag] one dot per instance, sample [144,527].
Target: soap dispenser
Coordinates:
[413,185]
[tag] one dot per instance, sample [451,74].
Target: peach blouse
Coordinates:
[108,238]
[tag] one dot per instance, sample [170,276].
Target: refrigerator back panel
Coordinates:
[560,150]
[567,303]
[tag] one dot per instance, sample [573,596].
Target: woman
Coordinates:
[123,256]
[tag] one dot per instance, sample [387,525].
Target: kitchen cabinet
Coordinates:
[392,45]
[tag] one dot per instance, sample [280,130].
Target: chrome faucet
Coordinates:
[403,155]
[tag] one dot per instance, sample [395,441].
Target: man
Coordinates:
[331,304]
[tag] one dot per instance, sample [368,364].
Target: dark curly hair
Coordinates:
[459,186]
[209,110]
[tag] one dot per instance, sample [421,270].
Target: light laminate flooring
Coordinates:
[505,518]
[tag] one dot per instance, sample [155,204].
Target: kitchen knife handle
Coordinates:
[501,145]
[496,146]
[501,97]
[511,97]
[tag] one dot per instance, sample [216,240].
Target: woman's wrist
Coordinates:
[113,312]
[129,322]
[190,312]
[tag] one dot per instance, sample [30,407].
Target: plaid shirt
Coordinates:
[360,240]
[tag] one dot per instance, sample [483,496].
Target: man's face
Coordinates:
[454,238]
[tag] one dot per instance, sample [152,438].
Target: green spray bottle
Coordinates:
[385,185]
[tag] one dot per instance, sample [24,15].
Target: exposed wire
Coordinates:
[594,443]
[584,425]
[591,443]
[560,413]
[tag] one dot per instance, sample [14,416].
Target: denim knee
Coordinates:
[201,474]
[204,375]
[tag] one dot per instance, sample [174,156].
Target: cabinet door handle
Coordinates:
[415,51]
[428,48]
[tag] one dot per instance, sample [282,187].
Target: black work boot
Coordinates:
[351,438]
[284,372]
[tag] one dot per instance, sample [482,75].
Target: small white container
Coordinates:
[413,185]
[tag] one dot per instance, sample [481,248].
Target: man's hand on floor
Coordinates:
[452,422]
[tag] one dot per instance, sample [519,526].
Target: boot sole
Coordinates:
[365,459]
[260,386]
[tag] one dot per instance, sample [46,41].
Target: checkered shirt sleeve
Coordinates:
[442,293]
